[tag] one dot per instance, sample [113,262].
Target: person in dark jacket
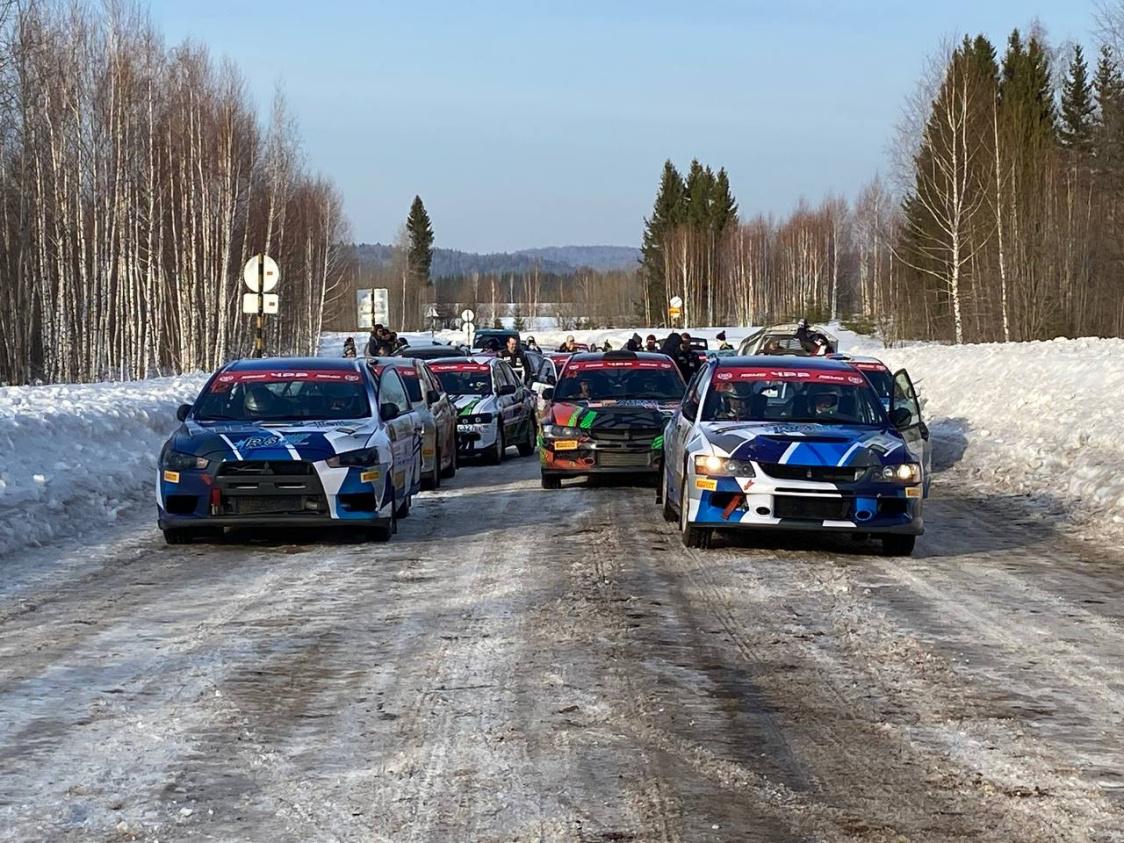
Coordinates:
[349,347]
[721,337]
[651,343]
[634,343]
[688,358]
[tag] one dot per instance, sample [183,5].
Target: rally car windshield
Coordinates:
[791,397]
[620,384]
[283,396]
[465,381]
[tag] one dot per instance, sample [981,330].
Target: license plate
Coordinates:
[707,485]
[565,444]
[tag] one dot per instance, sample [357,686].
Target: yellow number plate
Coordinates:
[913,491]
[172,476]
[707,484]
[370,476]
[565,444]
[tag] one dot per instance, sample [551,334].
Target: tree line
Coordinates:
[1005,219]
[135,182]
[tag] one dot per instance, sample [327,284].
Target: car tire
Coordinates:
[451,471]
[669,513]
[527,446]
[433,482]
[551,481]
[897,545]
[382,532]
[496,455]
[403,510]
[697,537]
[186,535]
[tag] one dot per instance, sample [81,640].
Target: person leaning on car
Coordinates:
[514,355]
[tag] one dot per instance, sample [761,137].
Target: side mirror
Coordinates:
[389,412]
[924,428]
[432,397]
[506,389]
[548,393]
[183,411]
[901,417]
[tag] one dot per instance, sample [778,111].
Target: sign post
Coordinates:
[261,275]
[467,319]
[675,309]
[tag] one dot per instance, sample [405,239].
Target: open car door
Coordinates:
[913,429]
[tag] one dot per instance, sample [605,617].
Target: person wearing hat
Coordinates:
[349,347]
[724,346]
[531,345]
[570,346]
[651,343]
[634,343]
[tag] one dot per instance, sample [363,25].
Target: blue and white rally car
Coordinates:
[291,442]
[794,443]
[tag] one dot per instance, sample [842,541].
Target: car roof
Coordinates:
[790,328]
[272,364]
[856,358]
[757,361]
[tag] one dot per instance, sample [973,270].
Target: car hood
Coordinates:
[806,444]
[468,405]
[311,441]
[602,415]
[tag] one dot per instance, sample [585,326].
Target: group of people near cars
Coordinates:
[382,342]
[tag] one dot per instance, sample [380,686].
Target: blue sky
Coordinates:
[532,123]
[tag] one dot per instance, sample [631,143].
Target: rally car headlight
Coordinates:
[557,431]
[354,459]
[178,461]
[479,418]
[712,466]
[907,473]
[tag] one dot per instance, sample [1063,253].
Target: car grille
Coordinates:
[635,435]
[262,468]
[819,473]
[816,509]
[277,504]
[623,460]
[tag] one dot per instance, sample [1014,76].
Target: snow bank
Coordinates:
[75,457]
[1037,418]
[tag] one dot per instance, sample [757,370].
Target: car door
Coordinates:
[507,405]
[913,430]
[444,416]
[424,423]
[401,430]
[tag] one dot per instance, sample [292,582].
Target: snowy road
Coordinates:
[529,665]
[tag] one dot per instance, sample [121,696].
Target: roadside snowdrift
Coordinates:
[73,458]
[1041,419]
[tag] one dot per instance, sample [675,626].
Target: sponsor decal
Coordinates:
[458,367]
[565,444]
[271,440]
[427,452]
[617,364]
[172,476]
[657,443]
[225,381]
[792,375]
[372,476]
[706,484]
[400,478]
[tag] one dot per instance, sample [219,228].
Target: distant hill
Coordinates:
[559,260]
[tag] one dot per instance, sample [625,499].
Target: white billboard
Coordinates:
[373,307]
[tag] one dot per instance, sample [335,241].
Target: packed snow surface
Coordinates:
[77,457]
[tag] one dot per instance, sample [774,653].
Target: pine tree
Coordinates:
[421,242]
[1076,130]
[667,213]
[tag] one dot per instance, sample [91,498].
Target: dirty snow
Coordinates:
[74,458]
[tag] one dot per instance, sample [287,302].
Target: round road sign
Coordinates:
[467,315]
[269,274]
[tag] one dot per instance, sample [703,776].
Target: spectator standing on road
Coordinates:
[349,347]
[688,359]
[531,345]
[569,346]
[724,346]
[651,343]
[514,355]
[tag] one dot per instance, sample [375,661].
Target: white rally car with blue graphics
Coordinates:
[495,410]
[793,443]
[290,442]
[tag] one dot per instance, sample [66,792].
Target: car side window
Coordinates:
[693,396]
[391,390]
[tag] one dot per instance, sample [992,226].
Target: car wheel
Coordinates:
[383,532]
[403,510]
[527,446]
[551,481]
[669,513]
[495,457]
[433,482]
[451,471]
[895,545]
[692,536]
